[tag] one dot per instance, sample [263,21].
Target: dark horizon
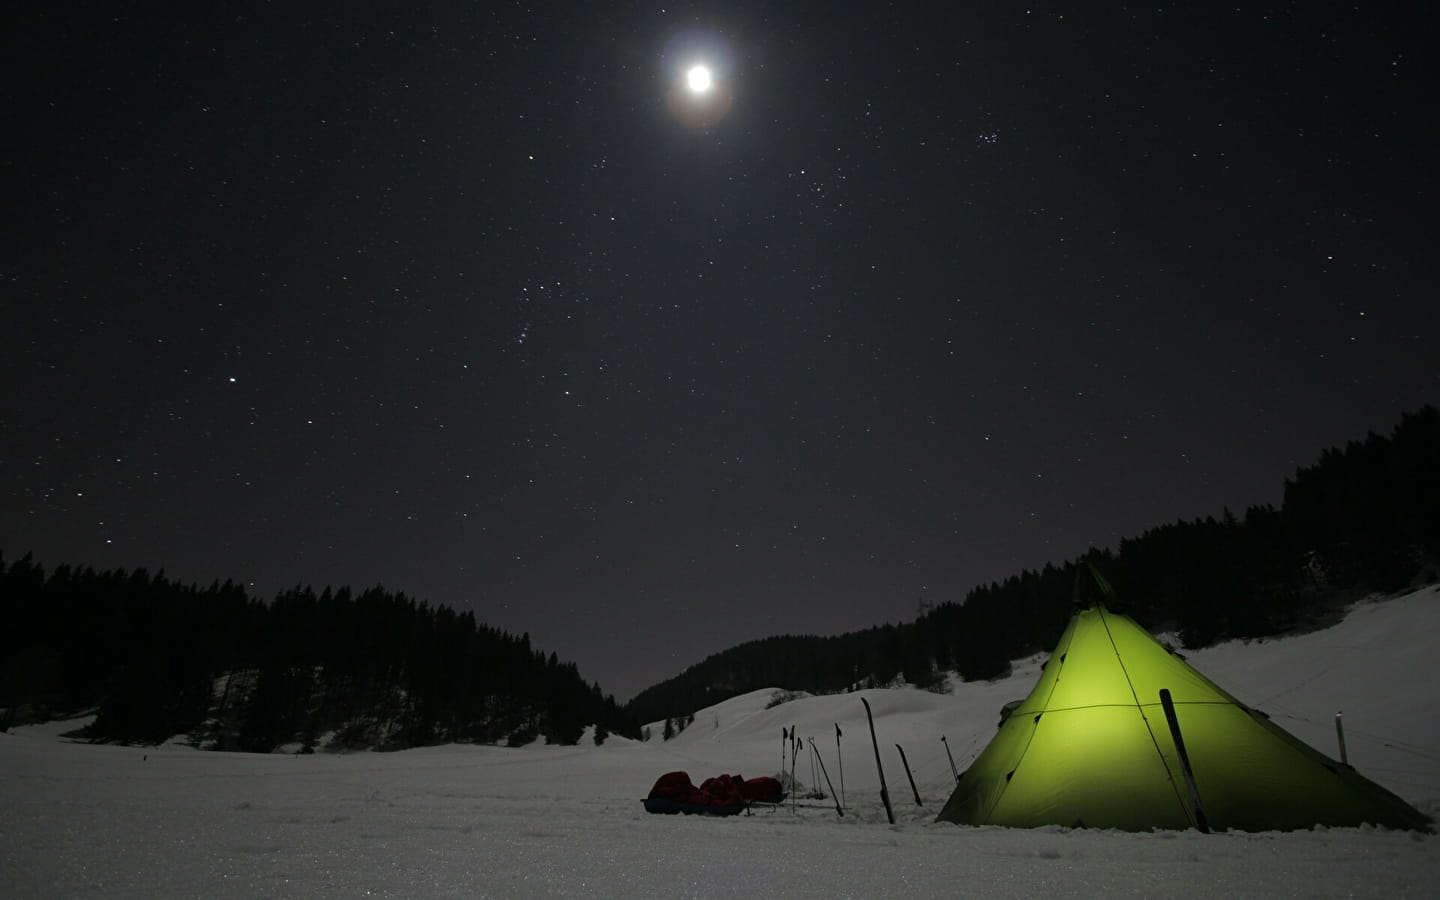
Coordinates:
[1345,475]
[482,306]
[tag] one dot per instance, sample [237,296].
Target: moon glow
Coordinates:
[699,70]
[698,79]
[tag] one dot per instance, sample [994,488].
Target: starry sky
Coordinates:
[476,301]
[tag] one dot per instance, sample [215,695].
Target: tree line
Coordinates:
[155,658]
[1362,519]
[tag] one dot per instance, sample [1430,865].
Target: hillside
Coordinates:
[1360,520]
[1364,667]
[334,670]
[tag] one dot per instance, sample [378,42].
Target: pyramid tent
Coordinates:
[1092,746]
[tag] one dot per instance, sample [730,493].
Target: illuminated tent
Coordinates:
[1092,746]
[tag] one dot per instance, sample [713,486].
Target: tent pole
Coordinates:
[884,791]
[1169,705]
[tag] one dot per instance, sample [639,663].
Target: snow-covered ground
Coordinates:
[466,821]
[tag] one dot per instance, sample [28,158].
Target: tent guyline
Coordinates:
[1195,812]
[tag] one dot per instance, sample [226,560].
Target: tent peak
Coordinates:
[1092,590]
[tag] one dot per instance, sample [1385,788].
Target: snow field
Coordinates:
[544,821]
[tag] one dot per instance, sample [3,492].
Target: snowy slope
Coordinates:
[1372,668]
[561,821]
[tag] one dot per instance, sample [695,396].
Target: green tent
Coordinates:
[1092,746]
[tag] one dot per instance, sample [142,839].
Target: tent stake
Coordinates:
[906,763]
[953,770]
[833,795]
[884,791]
[1169,705]
[1340,733]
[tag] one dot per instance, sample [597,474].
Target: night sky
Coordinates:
[479,302]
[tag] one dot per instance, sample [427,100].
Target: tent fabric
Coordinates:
[1090,746]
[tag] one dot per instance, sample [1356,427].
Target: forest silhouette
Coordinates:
[155,659]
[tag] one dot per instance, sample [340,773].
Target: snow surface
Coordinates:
[546,821]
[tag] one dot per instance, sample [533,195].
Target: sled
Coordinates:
[724,795]
[669,807]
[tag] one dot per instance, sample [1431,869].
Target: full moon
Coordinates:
[698,78]
[698,70]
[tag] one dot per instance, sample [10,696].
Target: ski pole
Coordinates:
[813,758]
[951,758]
[794,755]
[813,749]
[784,741]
